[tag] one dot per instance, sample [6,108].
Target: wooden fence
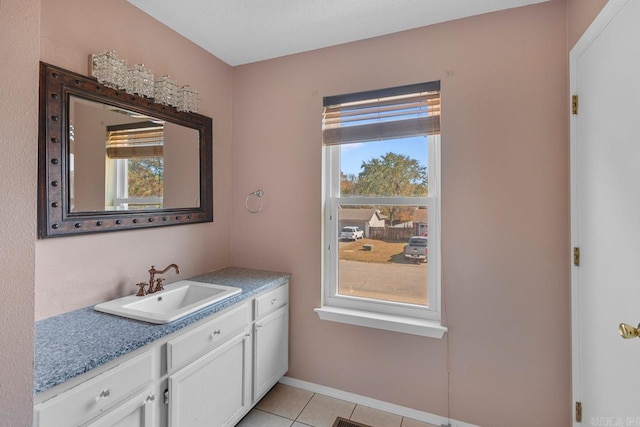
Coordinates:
[391,234]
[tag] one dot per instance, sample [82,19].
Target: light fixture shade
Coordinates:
[140,81]
[166,91]
[110,70]
[188,99]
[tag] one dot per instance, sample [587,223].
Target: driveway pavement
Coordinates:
[391,282]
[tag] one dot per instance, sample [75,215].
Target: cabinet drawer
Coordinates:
[95,395]
[206,337]
[135,411]
[271,301]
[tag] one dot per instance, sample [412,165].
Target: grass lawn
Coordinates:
[382,252]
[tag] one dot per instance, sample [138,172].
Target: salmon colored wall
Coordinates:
[19,45]
[505,214]
[73,272]
[580,14]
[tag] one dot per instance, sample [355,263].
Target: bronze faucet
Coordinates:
[155,284]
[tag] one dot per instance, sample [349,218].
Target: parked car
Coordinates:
[351,233]
[417,248]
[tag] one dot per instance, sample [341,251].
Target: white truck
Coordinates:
[417,249]
[351,233]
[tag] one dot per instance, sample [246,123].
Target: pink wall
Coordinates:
[580,14]
[181,178]
[74,272]
[505,213]
[88,147]
[19,44]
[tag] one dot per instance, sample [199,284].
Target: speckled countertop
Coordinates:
[76,342]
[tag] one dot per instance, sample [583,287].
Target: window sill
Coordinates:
[388,322]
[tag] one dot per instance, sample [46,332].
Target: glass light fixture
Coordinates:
[166,91]
[113,72]
[140,81]
[110,70]
[187,99]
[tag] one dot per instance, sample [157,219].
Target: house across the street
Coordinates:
[363,218]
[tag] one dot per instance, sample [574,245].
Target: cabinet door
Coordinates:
[138,411]
[215,390]
[271,359]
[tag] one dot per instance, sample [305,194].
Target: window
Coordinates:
[381,160]
[135,166]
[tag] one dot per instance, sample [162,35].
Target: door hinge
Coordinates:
[574,104]
[576,256]
[579,412]
[166,396]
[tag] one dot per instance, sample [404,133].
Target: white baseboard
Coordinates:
[374,403]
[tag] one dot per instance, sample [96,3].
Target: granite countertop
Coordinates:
[76,342]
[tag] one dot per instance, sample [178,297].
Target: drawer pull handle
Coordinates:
[216,332]
[259,325]
[151,398]
[273,301]
[103,394]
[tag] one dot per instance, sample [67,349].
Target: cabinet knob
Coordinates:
[103,394]
[273,301]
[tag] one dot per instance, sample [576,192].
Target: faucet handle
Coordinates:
[159,286]
[141,291]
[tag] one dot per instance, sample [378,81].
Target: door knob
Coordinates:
[627,331]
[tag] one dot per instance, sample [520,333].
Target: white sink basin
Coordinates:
[174,302]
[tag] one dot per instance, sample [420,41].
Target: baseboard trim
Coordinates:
[374,403]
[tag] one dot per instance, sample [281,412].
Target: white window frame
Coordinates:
[120,190]
[406,318]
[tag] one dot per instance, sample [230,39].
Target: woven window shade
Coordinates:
[383,114]
[135,141]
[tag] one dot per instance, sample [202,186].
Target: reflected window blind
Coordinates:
[135,140]
[382,114]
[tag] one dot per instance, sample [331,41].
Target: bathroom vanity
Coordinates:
[207,369]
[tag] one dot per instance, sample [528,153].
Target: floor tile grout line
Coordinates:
[304,407]
[353,410]
[272,413]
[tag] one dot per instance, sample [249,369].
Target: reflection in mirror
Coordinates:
[122,160]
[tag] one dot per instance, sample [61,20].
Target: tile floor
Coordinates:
[286,406]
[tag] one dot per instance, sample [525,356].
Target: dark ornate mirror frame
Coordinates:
[54,216]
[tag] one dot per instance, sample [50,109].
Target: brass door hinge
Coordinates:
[574,104]
[579,412]
[576,256]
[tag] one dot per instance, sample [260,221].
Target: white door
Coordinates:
[605,161]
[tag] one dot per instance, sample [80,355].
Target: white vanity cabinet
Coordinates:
[210,373]
[271,339]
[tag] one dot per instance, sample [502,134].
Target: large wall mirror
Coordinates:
[109,160]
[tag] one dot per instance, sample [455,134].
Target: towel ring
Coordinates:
[258,194]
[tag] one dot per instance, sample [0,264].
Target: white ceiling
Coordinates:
[244,31]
